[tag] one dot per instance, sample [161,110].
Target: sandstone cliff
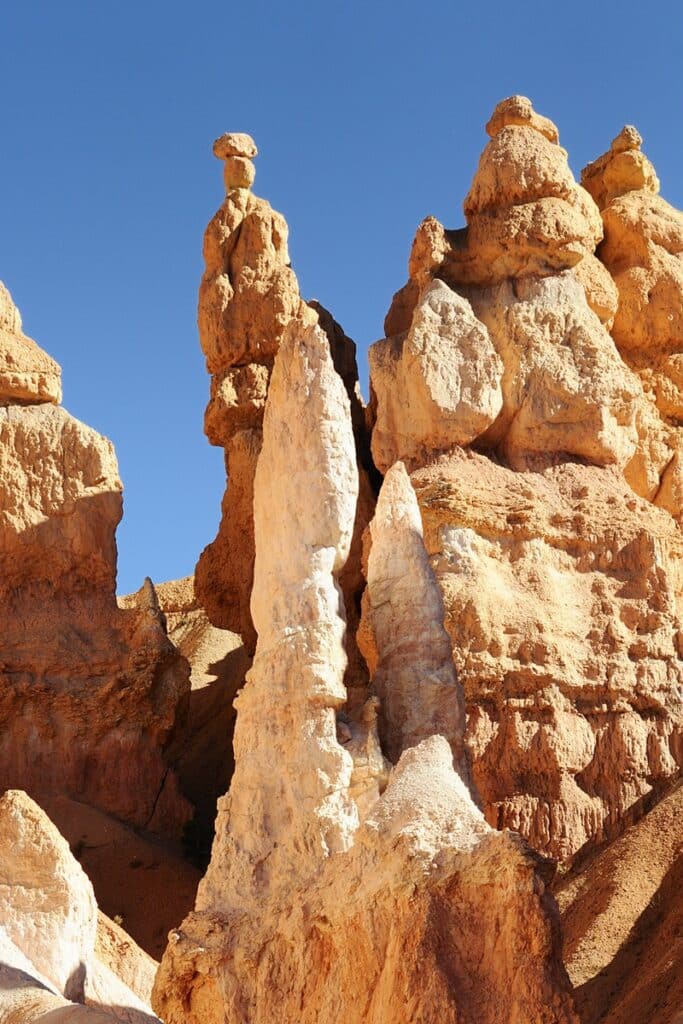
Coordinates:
[92,692]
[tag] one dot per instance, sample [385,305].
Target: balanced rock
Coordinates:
[248,296]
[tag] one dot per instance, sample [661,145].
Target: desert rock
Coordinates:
[406,646]
[305,913]
[27,373]
[48,905]
[49,930]
[643,251]
[248,296]
[437,386]
[538,301]
[562,598]
[93,692]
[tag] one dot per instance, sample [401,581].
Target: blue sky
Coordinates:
[368,116]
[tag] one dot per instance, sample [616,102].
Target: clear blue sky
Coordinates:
[368,116]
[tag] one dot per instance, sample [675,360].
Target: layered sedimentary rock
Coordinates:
[305,913]
[92,691]
[562,590]
[248,296]
[643,251]
[50,955]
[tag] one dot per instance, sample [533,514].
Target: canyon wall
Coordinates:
[92,692]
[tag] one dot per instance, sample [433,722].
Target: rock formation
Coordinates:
[248,296]
[563,606]
[305,913]
[525,365]
[643,251]
[561,589]
[48,933]
[455,684]
[92,692]
[405,644]
[622,920]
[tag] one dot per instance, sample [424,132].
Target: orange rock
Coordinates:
[27,373]
[93,691]
[561,592]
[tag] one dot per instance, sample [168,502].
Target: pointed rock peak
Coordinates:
[27,374]
[236,149]
[623,168]
[517,110]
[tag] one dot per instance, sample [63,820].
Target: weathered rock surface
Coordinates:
[402,633]
[92,691]
[622,921]
[305,914]
[48,905]
[573,696]
[528,367]
[48,929]
[27,373]
[643,251]
[140,879]
[201,752]
[562,592]
[248,296]
[440,384]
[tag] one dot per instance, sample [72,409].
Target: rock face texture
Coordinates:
[27,374]
[248,296]
[623,920]
[643,251]
[527,366]
[562,590]
[459,679]
[563,607]
[92,691]
[305,913]
[402,634]
[48,932]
